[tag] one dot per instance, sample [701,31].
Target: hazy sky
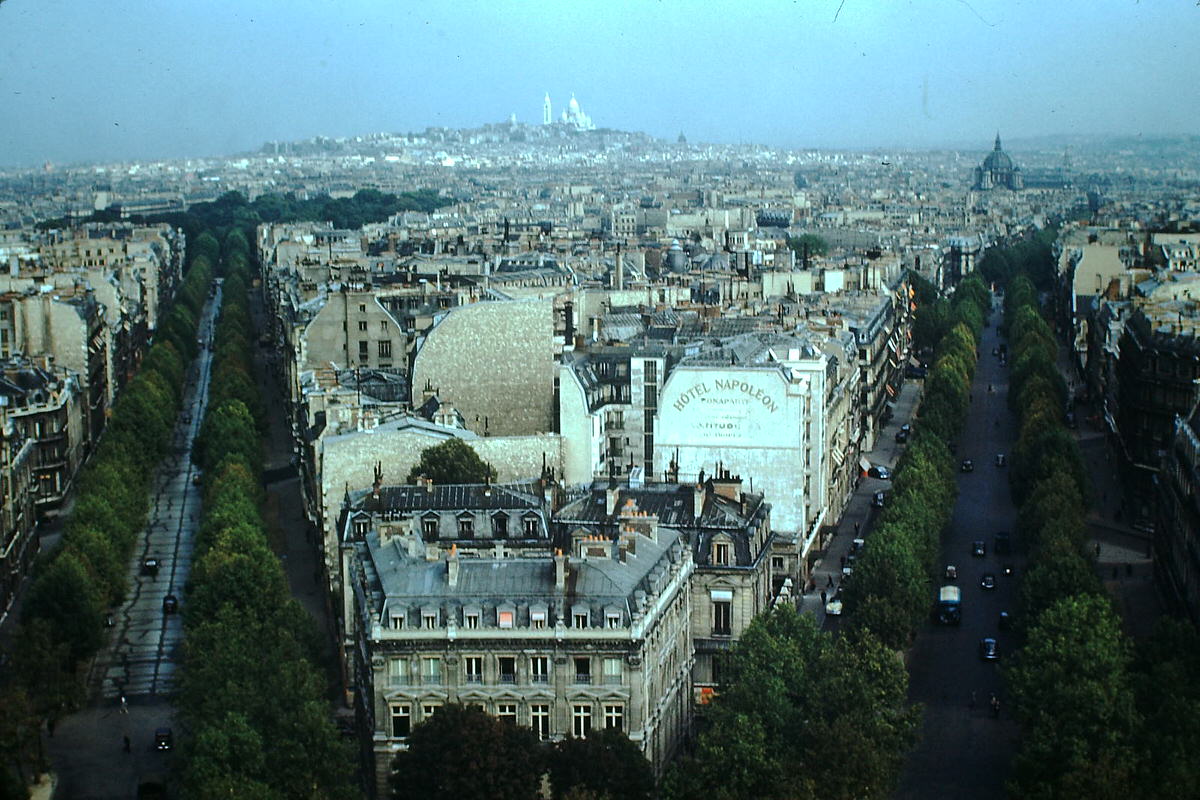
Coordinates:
[128,79]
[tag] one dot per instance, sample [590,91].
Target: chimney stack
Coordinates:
[610,498]
[699,494]
[452,567]
[560,570]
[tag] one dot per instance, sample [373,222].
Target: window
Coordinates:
[398,671]
[583,669]
[362,308]
[500,526]
[362,324]
[504,618]
[537,617]
[721,553]
[651,371]
[650,397]
[429,528]
[363,349]
[507,711]
[401,718]
[507,667]
[383,325]
[581,720]
[777,564]
[581,619]
[471,620]
[429,709]
[474,668]
[397,618]
[614,447]
[612,670]
[614,716]
[721,617]
[430,619]
[531,527]
[466,528]
[539,719]
[431,670]
[539,669]
[612,619]
[648,422]
[385,348]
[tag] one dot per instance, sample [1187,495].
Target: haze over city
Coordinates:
[145,79]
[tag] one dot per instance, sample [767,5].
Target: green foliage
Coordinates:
[66,597]
[477,757]
[816,245]
[606,764]
[452,461]
[803,714]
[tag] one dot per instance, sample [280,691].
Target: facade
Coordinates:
[46,407]
[470,594]
[1177,526]
[18,531]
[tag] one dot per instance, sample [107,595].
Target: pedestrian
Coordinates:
[128,747]
[843,562]
[824,598]
[1097,549]
[124,705]
[856,528]
[829,582]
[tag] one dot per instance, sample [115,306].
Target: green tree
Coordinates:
[476,756]
[452,461]
[606,763]
[816,245]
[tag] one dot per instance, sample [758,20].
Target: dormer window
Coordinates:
[500,526]
[531,527]
[361,526]
[720,553]
[429,619]
[466,527]
[429,528]
[397,618]
[537,617]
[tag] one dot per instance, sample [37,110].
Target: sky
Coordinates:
[82,80]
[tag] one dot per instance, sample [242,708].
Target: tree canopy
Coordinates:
[452,461]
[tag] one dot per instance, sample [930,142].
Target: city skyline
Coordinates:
[143,80]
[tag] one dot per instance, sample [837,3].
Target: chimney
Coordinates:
[452,567]
[699,494]
[610,498]
[429,485]
[560,570]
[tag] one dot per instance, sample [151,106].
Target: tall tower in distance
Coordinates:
[547,116]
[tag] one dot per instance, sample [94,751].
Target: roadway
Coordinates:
[964,751]
[88,749]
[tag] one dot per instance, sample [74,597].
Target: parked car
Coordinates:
[989,650]
[879,499]
[951,572]
[988,581]
[978,548]
[170,604]
[967,465]
[163,739]
[880,471]
[901,437]
[834,606]
[1000,460]
[915,372]
[150,566]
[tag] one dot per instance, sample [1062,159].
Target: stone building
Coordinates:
[997,171]
[18,523]
[1177,523]
[45,406]
[470,594]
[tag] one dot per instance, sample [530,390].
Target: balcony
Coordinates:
[583,677]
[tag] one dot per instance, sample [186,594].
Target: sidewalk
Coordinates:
[859,517]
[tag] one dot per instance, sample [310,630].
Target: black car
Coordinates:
[967,465]
[880,471]
[901,437]
[163,739]
[150,566]
[988,581]
[978,548]
[989,650]
[1000,460]
[878,500]
[170,604]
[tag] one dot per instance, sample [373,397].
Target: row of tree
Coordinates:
[1098,718]
[233,211]
[253,703]
[1031,257]
[66,605]
[891,589]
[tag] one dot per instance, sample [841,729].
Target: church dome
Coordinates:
[573,106]
[997,160]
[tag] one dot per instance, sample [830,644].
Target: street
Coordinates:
[131,679]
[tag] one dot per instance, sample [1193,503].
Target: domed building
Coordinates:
[998,171]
